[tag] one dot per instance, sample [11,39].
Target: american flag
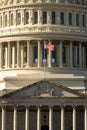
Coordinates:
[49,46]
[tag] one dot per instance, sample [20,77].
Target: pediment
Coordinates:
[43,89]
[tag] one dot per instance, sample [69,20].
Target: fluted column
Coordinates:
[50,118]
[74,118]
[1,55]
[15,119]
[9,55]
[62,118]
[3,118]
[71,54]
[27,119]
[60,58]
[85,118]
[80,56]
[39,54]
[38,118]
[18,54]
[13,56]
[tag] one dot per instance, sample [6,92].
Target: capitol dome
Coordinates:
[43,65]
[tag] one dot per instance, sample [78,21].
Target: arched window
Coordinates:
[44,17]
[77,19]
[70,19]
[18,18]
[5,19]
[35,17]
[62,18]
[83,20]
[11,18]
[27,18]
[53,21]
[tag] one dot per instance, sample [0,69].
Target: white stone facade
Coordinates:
[43,89]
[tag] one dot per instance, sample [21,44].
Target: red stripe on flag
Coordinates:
[49,46]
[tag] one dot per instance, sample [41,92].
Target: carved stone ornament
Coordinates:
[44,91]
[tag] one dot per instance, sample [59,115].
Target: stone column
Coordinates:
[50,118]
[49,58]
[28,53]
[39,54]
[1,56]
[62,118]
[71,59]
[22,55]
[15,119]
[3,118]
[18,54]
[67,55]
[8,17]
[3,21]
[27,119]
[13,56]
[9,55]
[14,14]
[57,54]
[80,19]
[86,20]
[58,16]
[60,58]
[40,17]
[31,17]
[75,56]
[49,17]
[38,118]
[83,57]
[74,118]
[74,18]
[66,17]
[6,56]
[85,118]
[22,17]
[80,55]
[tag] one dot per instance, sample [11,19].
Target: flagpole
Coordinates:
[44,62]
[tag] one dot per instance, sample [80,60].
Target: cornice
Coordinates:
[43,6]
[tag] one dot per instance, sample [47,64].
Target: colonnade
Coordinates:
[50,112]
[21,54]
